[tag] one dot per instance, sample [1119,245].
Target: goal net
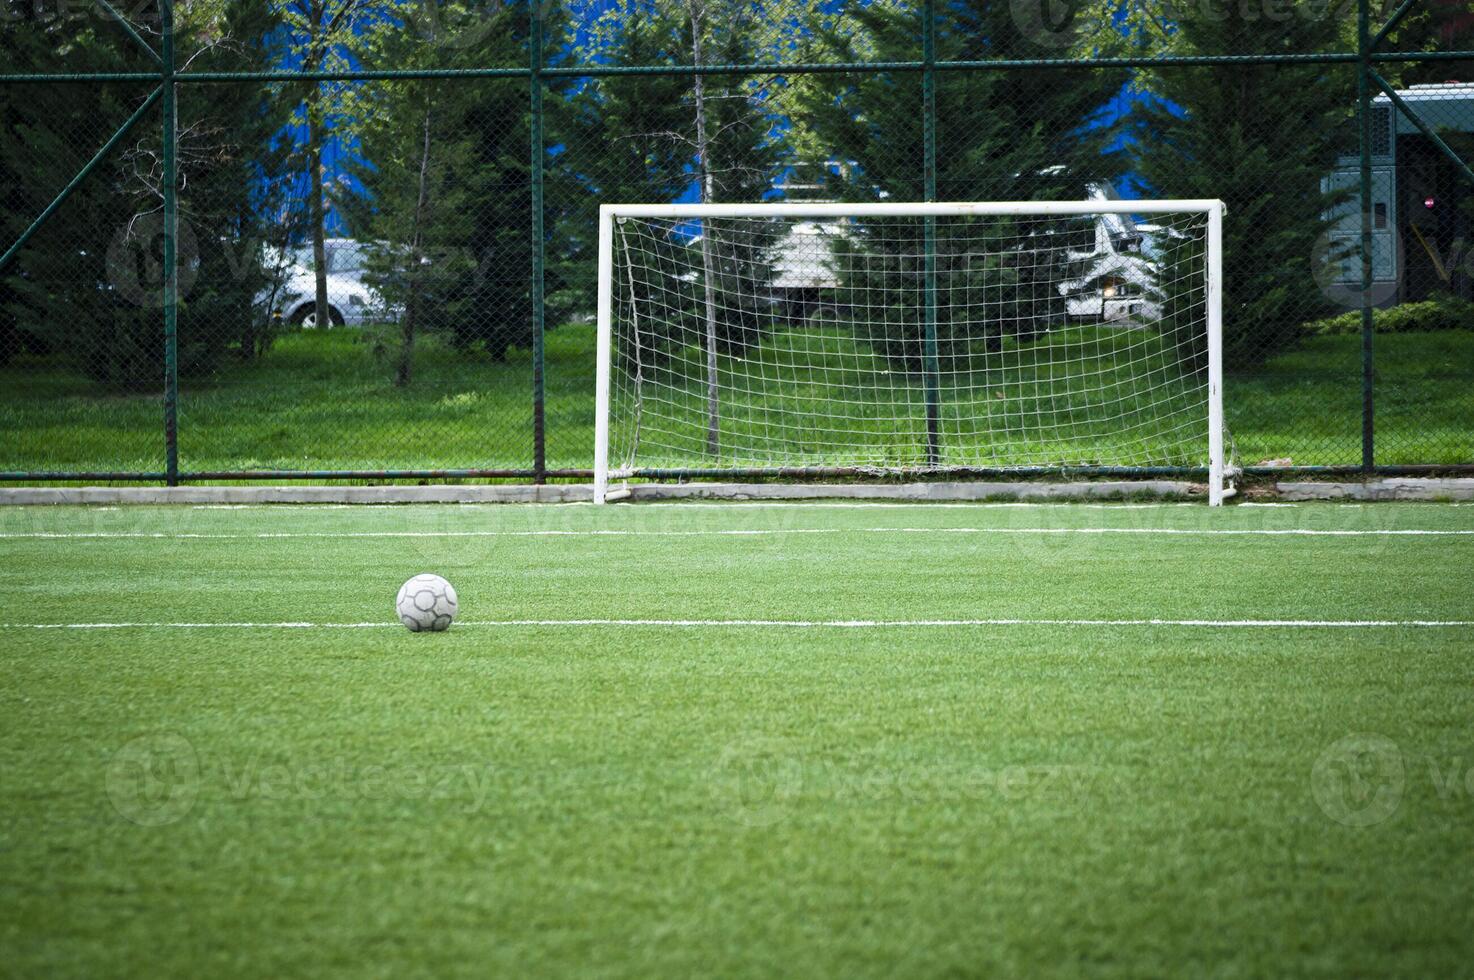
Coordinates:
[889,339]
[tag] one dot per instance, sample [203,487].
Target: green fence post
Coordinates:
[1364,114]
[171,261]
[539,246]
[931,369]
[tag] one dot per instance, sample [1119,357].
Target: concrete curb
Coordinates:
[296,495]
[583,493]
[908,491]
[1392,488]
[1395,488]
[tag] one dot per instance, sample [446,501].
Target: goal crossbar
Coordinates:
[804,209]
[1210,212]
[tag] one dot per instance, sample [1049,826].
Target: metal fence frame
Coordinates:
[168,79]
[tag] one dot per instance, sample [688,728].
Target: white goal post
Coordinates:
[866,340]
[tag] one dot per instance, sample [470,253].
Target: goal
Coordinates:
[852,341]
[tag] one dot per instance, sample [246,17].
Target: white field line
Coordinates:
[789,624]
[740,532]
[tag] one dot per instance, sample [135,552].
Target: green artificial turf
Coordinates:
[324,400]
[670,800]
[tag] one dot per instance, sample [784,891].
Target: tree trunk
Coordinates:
[412,301]
[708,270]
[318,206]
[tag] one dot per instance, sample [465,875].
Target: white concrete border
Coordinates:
[296,495]
[1037,490]
[1392,488]
[582,493]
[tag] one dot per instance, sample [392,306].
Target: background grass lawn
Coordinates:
[637,801]
[324,400]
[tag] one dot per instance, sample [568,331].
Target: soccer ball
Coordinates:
[426,603]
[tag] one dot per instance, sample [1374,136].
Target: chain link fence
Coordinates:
[334,239]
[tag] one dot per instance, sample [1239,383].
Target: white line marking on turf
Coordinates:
[746,532]
[792,623]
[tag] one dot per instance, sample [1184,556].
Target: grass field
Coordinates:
[323,400]
[812,740]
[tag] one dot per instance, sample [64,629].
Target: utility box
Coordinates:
[1422,217]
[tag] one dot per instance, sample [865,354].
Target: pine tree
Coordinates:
[999,136]
[231,194]
[655,139]
[447,178]
[1261,138]
[621,132]
[59,291]
[416,215]
[88,285]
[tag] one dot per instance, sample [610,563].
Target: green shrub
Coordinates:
[1442,313]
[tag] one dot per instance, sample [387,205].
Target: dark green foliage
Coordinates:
[17,28]
[619,151]
[1443,313]
[57,292]
[229,196]
[1260,138]
[415,221]
[1432,25]
[1001,136]
[634,140]
[446,208]
[485,298]
[670,312]
[996,278]
[90,283]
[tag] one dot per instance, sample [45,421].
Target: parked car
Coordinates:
[352,302]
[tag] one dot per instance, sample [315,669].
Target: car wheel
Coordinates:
[306,317]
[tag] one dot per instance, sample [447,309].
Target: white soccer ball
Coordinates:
[426,603]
